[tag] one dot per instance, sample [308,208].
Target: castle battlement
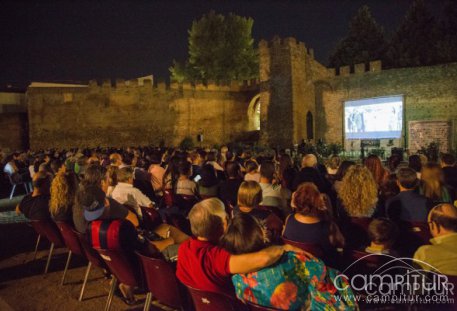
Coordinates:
[147,84]
[373,66]
[286,43]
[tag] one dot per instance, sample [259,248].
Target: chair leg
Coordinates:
[26,188]
[85,281]
[111,293]
[12,191]
[66,268]
[147,302]
[36,246]
[49,258]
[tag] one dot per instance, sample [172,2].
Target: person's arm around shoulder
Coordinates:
[246,263]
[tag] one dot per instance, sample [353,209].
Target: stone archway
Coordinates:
[254,114]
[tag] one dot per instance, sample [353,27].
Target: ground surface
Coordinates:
[23,286]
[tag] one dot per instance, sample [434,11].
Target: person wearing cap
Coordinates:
[442,254]
[408,205]
[95,176]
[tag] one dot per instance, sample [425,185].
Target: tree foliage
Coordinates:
[415,41]
[221,48]
[364,42]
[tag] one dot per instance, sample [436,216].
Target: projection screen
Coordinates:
[373,118]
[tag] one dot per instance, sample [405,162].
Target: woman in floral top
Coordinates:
[295,282]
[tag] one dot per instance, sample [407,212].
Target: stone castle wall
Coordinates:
[126,115]
[430,93]
[293,88]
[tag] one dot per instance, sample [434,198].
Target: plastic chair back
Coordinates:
[105,237]
[70,238]
[312,248]
[209,301]
[48,229]
[161,281]
[91,254]
[151,218]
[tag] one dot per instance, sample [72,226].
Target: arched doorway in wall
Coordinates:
[309,126]
[254,114]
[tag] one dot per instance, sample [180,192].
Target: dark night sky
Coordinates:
[80,40]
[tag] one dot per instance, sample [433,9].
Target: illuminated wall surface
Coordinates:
[292,86]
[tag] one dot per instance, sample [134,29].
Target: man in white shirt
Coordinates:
[125,193]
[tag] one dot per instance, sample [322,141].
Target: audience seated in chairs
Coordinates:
[252,171]
[208,185]
[272,194]
[35,206]
[185,186]
[383,234]
[228,190]
[125,193]
[249,197]
[310,173]
[206,266]
[311,223]
[165,238]
[296,281]
[358,193]
[408,205]
[442,254]
[95,176]
[63,196]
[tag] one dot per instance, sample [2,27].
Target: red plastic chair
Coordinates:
[209,301]
[107,244]
[94,259]
[161,282]
[255,307]
[72,242]
[168,198]
[151,218]
[48,229]
[314,249]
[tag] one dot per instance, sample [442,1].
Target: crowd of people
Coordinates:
[227,217]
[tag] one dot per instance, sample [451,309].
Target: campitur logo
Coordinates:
[385,279]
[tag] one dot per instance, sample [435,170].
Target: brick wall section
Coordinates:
[135,115]
[13,131]
[430,93]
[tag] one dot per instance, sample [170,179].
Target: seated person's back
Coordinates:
[311,222]
[383,233]
[408,205]
[249,197]
[204,265]
[442,254]
[35,206]
[295,282]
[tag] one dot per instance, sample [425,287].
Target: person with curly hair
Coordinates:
[358,193]
[63,195]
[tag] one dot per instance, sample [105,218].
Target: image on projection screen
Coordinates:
[373,118]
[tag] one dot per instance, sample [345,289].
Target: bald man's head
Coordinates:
[444,216]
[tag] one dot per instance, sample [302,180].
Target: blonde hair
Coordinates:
[249,194]
[309,160]
[432,184]
[63,192]
[359,191]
